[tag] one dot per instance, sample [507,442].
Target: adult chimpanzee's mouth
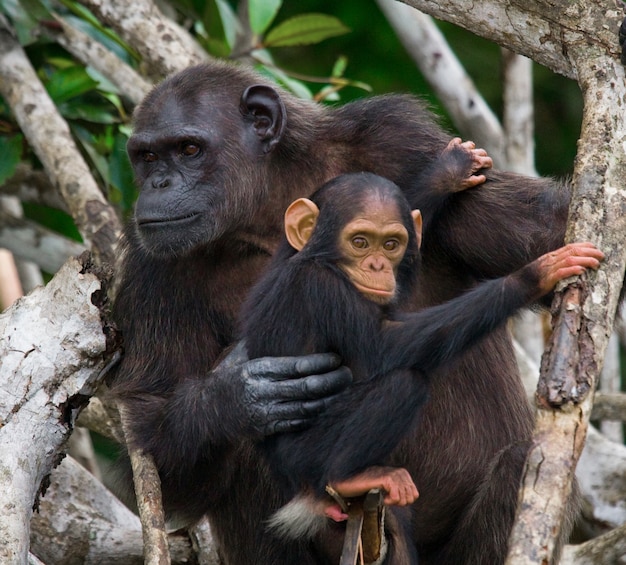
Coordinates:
[161,221]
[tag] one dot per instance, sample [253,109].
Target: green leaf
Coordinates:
[261,14]
[339,68]
[230,23]
[10,155]
[305,29]
[68,83]
[53,219]
[297,87]
[267,66]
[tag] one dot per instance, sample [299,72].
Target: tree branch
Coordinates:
[609,548]
[52,346]
[33,186]
[31,242]
[572,363]
[600,473]
[541,30]
[203,543]
[92,53]
[149,501]
[518,118]
[453,86]
[164,45]
[609,406]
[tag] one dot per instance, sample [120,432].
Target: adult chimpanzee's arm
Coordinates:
[240,400]
[507,222]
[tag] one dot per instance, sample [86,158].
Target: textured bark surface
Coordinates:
[164,46]
[543,30]
[52,348]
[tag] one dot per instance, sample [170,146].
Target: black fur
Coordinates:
[307,304]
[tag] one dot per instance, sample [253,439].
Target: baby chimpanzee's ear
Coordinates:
[300,219]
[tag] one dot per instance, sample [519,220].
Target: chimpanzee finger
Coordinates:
[289,426]
[286,368]
[294,416]
[313,386]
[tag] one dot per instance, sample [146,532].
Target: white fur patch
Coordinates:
[297,519]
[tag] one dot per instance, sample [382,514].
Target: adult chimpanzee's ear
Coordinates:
[417,221]
[266,109]
[300,219]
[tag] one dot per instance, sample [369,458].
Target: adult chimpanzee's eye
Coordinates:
[359,242]
[190,150]
[391,245]
[150,157]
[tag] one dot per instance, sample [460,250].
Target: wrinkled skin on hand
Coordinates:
[283,394]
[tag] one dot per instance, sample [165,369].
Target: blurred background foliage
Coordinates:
[347,45]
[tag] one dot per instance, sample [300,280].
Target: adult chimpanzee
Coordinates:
[218,154]
[351,253]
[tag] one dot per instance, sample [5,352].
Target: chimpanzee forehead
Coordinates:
[375,206]
[172,110]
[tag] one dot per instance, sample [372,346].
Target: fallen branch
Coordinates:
[80,521]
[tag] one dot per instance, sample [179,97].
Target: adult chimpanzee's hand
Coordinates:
[282,394]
